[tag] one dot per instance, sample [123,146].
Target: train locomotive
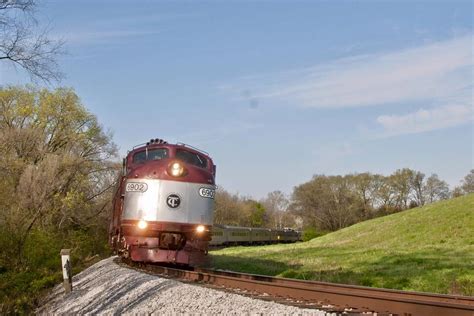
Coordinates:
[163,205]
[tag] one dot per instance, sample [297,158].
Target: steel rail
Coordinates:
[358,298]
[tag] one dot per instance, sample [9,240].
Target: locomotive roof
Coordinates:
[155,143]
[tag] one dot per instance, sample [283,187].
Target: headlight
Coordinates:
[142,224]
[176,169]
[200,229]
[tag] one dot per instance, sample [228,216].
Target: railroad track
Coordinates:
[328,296]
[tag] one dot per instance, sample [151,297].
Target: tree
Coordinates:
[326,202]
[23,45]
[418,186]
[384,193]
[257,217]
[55,161]
[365,186]
[226,209]
[276,205]
[401,181]
[435,189]
[468,182]
[457,192]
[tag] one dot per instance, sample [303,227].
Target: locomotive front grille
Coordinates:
[172,241]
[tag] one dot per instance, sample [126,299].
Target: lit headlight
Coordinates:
[142,224]
[176,169]
[200,229]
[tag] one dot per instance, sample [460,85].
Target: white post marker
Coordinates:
[67,269]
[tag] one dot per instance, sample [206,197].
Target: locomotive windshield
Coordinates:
[151,154]
[191,158]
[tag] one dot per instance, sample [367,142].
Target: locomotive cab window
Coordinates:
[191,158]
[151,154]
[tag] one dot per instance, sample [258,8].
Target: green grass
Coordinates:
[429,249]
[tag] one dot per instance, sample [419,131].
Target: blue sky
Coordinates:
[278,91]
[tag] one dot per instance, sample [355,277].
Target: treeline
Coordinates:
[329,203]
[236,210]
[57,169]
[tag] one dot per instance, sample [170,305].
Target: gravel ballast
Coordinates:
[107,288]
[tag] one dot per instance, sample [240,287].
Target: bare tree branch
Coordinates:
[18,4]
[23,45]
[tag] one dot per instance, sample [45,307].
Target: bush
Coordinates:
[23,285]
[311,232]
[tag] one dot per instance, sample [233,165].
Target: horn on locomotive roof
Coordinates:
[156,141]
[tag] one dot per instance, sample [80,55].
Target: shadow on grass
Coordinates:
[428,270]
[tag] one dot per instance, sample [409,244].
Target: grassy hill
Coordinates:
[429,249]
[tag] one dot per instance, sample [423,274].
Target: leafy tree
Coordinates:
[401,182]
[227,210]
[365,186]
[418,186]
[55,164]
[384,194]
[257,217]
[468,182]
[435,189]
[276,205]
[22,44]
[326,202]
[457,192]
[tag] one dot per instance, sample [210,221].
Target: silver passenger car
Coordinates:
[223,235]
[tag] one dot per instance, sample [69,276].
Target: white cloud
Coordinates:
[426,120]
[429,72]
[98,36]
[118,28]
[438,75]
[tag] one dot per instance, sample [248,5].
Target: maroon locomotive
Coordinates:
[164,203]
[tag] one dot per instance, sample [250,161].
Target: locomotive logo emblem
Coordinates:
[173,200]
